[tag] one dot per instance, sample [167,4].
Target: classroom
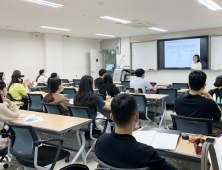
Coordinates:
[111,85]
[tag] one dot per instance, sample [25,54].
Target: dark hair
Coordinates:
[85,94]
[53,75]
[40,73]
[218,84]
[1,75]
[139,72]
[197,80]
[198,57]
[2,86]
[102,71]
[17,71]
[14,80]
[54,86]
[108,79]
[124,108]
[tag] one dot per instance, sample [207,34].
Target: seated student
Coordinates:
[2,76]
[108,86]
[53,75]
[218,89]
[99,81]
[141,83]
[120,149]
[56,86]
[87,98]
[194,105]
[41,78]
[6,113]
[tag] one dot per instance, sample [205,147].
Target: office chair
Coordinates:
[153,84]
[36,102]
[9,96]
[76,82]
[70,91]
[53,108]
[101,165]
[65,80]
[126,85]
[181,85]
[75,167]
[28,151]
[170,100]
[46,90]
[41,84]
[132,90]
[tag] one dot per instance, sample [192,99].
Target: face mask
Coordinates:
[45,74]
[4,77]
[62,89]
[34,84]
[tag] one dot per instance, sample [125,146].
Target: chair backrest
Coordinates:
[65,80]
[131,90]
[220,105]
[153,84]
[36,102]
[82,112]
[41,84]
[70,91]
[170,100]
[46,90]
[9,96]
[53,108]
[101,96]
[151,92]
[22,140]
[181,85]
[192,125]
[141,101]
[75,167]
[126,85]
[104,165]
[76,82]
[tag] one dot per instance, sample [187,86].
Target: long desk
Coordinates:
[58,126]
[18,103]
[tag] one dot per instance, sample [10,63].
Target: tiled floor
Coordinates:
[90,161]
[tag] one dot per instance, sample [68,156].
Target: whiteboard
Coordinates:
[144,55]
[216,52]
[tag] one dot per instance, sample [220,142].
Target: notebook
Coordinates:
[157,140]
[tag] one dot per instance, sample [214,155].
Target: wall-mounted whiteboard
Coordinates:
[144,55]
[216,52]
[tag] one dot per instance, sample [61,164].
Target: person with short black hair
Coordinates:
[140,82]
[108,86]
[2,76]
[196,65]
[193,104]
[99,81]
[120,149]
[218,89]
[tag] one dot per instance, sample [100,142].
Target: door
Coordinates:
[96,63]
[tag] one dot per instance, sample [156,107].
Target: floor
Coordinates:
[90,161]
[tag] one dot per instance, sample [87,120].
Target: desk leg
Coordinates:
[163,116]
[81,149]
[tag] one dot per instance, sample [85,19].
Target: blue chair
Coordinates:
[46,90]
[25,147]
[36,102]
[181,85]
[70,91]
[75,167]
[65,80]
[53,108]
[9,96]
[170,100]
[76,82]
[131,90]
[126,85]
[153,84]
[41,84]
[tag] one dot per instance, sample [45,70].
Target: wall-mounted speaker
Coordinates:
[36,34]
[118,45]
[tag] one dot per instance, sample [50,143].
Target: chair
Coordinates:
[181,85]
[131,90]
[53,108]
[170,100]
[36,102]
[192,125]
[65,80]
[144,114]
[41,84]
[46,90]
[101,96]
[75,167]
[9,96]
[70,91]
[153,84]
[76,82]
[101,165]
[126,85]
[151,92]
[28,151]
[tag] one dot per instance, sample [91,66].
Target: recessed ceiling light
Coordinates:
[105,35]
[54,28]
[210,4]
[116,19]
[157,29]
[46,3]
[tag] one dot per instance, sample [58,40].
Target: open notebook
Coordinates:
[157,140]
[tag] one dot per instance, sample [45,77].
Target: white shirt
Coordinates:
[196,66]
[218,150]
[140,83]
[42,79]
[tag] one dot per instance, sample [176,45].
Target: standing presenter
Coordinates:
[196,65]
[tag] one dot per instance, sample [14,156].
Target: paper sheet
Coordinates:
[33,119]
[145,137]
[97,64]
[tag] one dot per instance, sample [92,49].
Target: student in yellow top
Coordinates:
[16,89]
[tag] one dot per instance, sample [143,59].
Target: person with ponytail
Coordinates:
[56,86]
[218,89]
[53,75]
[41,78]
[6,113]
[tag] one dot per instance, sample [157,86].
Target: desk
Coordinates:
[117,82]
[164,84]
[56,126]
[17,103]
[66,84]
[38,87]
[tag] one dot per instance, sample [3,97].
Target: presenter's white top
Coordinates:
[42,79]
[196,66]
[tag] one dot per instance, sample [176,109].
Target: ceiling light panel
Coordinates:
[46,3]
[157,29]
[55,28]
[105,35]
[115,19]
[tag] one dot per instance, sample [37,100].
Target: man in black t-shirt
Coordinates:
[120,149]
[193,104]
[99,81]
